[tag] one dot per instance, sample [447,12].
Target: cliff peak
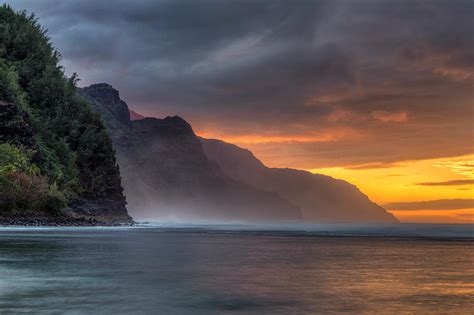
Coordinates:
[105,91]
[178,121]
[109,97]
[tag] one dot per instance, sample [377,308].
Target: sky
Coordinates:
[379,93]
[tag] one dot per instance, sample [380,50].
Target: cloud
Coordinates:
[396,74]
[449,183]
[465,216]
[465,168]
[441,204]
[373,166]
[385,116]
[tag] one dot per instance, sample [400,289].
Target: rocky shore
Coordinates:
[58,221]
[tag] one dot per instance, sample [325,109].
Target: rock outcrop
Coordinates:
[104,94]
[109,210]
[321,198]
[166,174]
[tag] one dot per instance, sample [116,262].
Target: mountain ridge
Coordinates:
[321,198]
[172,134]
[167,175]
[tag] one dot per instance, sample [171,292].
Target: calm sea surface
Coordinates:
[238,269]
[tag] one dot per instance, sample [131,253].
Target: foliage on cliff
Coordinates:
[70,151]
[23,189]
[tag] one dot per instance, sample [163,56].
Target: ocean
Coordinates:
[238,269]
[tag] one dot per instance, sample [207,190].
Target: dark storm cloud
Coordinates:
[197,53]
[392,80]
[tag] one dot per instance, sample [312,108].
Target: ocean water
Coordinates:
[238,269]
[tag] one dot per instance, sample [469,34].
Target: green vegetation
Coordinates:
[12,159]
[23,189]
[72,153]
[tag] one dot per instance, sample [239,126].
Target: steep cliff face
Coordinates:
[167,175]
[321,198]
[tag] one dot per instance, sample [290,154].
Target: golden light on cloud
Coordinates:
[341,115]
[308,137]
[258,139]
[386,116]
[344,115]
[461,167]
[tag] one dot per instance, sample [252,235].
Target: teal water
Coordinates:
[415,269]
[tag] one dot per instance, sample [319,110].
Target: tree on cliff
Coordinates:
[70,146]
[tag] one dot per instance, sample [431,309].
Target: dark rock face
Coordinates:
[105,210]
[105,94]
[321,198]
[167,175]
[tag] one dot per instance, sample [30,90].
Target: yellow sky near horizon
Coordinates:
[415,181]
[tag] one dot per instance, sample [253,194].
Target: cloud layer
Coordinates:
[303,83]
[441,204]
[457,182]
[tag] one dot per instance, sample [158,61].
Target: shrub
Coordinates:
[55,201]
[25,194]
[14,159]
[22,190]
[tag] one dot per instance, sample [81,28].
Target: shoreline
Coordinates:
[398,232]
[60,221]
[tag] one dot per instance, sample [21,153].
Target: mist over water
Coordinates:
[297,228]
[258,269]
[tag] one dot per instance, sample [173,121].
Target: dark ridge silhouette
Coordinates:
[321,198]
[166,173]
[135,116]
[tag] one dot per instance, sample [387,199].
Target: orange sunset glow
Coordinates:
[409,182]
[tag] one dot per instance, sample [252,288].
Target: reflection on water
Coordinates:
[160,271]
